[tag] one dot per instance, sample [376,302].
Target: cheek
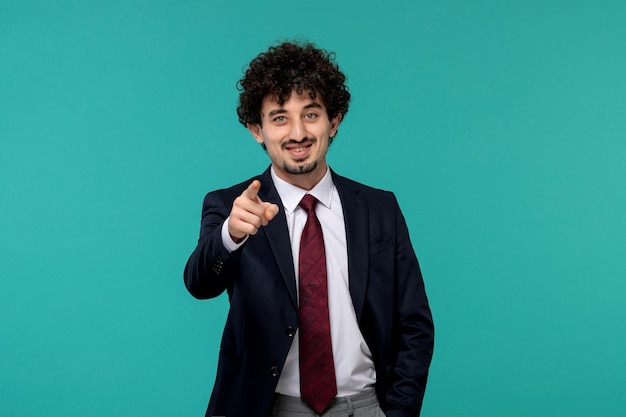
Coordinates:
[274,144]
[273,150]
[273,137]
[327,131]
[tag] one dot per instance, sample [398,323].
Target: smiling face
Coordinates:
[296,136]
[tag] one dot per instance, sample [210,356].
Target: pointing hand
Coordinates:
[249,213]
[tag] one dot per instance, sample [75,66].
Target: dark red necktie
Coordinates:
[318,384]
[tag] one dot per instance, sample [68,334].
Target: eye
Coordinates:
[310,116]
[280,119]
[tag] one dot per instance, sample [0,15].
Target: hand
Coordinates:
[249,213]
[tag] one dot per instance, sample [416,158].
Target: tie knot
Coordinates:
[308,203]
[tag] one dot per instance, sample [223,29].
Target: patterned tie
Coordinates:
[318,385]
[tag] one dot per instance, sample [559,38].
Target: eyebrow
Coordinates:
[313,105]
[275,112]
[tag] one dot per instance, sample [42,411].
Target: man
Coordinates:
[328,313]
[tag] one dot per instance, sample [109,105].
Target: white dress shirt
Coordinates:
[354,367]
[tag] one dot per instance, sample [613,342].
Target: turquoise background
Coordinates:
[501,126]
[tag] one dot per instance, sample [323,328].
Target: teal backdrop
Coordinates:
[500,126]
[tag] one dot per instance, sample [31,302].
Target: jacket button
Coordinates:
[290,331]
[274,371]
[217,266]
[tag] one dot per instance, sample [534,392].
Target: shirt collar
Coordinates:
[292,195]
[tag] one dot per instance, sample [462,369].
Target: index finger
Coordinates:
[252,190]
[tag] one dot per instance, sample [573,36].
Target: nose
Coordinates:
[298,130]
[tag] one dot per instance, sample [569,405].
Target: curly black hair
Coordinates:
[288,67]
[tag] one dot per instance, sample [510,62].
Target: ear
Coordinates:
[334,124]
[255,130]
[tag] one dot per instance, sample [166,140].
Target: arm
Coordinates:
[212,267]
[209,268]
[415,331]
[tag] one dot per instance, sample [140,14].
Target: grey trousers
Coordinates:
[364,404]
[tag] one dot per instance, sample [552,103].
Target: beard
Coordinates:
[300,169]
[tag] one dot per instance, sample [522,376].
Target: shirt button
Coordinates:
[274,371]
[290,331]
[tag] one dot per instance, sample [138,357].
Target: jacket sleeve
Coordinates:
[415,331]
[210,267]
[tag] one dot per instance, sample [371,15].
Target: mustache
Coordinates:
[305,141]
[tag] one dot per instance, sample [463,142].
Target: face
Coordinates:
[296,135]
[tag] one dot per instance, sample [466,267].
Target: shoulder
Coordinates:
[228,194]
[347,186]
[235,190]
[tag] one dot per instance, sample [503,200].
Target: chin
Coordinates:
[303,168]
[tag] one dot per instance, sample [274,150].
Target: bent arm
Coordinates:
[210,267]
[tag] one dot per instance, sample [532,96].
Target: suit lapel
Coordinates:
[277,235]
[356,218]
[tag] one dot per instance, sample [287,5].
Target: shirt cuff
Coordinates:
[228,241]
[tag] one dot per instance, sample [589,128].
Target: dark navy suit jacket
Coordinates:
[385,285]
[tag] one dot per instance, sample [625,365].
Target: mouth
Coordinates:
[298,150]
